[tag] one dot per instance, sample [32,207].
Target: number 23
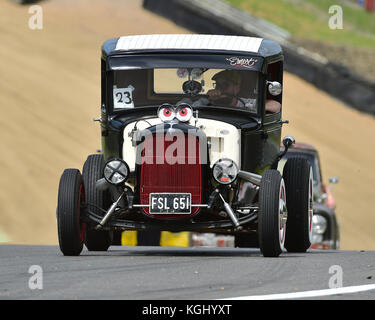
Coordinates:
[126,95]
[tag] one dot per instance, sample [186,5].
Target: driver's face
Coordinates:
[227,87]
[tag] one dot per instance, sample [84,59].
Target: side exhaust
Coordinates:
[251,177]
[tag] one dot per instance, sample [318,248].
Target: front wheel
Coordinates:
[298,178]
[96,240]
[272,215]
[71,229]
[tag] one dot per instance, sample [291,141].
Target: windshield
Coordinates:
[196,86]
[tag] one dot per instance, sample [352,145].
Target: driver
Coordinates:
[227,88]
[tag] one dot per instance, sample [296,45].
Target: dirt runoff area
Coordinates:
[50,91]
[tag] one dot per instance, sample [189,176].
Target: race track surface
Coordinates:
[50,91]
[172,273]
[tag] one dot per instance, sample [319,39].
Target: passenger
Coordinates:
[227,89]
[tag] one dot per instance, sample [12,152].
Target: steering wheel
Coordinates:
[227,100]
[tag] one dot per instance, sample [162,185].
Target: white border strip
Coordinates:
[308,294]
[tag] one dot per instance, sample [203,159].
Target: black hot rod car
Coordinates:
[191,132]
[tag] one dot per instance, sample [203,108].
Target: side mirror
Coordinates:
[333,180]
[98,119]
[288,141]
[274,88]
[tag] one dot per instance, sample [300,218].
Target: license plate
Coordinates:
[170,203]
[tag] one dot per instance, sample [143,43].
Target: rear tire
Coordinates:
[298,178]
[96,240]
[71,230]
[272,215]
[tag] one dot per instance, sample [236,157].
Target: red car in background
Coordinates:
[326,232]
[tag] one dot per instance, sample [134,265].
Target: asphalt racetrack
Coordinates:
[173,273]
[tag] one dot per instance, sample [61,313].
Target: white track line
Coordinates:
[308,294]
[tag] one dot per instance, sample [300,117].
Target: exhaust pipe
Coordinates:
[251,177]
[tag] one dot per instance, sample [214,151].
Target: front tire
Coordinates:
[96,240]
[298,178]
[272,215]
[71,229]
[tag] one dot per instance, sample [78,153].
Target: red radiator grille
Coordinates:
[179,171]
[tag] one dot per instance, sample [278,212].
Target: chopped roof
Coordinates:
[191,42]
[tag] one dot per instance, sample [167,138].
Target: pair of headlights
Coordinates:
[116,171]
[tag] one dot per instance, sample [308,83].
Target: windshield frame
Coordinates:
[152,61]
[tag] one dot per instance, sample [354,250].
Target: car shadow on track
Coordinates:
[188,252]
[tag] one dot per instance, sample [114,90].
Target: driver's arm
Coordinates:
[214,94]
[273,106]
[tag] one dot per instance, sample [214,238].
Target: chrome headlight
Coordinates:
[116,171]
[225,171]
[319,224]
[317,238]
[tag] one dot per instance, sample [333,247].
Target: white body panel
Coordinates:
[225,140]
[189,41]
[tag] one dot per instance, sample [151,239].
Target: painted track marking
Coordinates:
[307,294]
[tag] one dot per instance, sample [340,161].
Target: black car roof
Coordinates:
[196,43]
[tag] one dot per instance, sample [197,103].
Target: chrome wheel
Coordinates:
[310,205]
[283,214]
